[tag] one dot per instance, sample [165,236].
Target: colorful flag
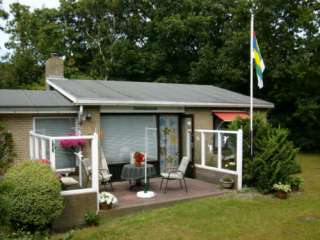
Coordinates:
[258,60]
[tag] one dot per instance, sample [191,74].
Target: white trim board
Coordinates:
[164,103]
[61,90]
[132,109]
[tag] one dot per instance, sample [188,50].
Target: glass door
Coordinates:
[169,141]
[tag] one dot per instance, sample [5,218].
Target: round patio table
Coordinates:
[133,173]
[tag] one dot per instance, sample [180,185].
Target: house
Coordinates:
[127,117]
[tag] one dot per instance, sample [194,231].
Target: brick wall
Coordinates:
[91,125]
[202,120]
[19,126]
[88,127]
[75,207]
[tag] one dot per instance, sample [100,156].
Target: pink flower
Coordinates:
[72,143]
[44,161]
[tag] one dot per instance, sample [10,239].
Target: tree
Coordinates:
[183,41]
[274,157]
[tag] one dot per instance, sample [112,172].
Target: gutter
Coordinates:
[37,110]
[166,103]
[80,119]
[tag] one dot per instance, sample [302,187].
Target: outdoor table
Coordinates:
[133,173]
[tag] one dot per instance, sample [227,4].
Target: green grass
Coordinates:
[235,216]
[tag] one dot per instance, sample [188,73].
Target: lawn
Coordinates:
[245,215]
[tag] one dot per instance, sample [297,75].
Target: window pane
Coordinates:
[65,158]
[169,141]
[125,134]
[229,151]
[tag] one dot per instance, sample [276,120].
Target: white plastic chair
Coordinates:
[176,174]
[103,171]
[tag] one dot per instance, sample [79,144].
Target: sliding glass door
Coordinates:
[162,136]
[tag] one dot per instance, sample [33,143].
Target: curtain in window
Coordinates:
[58,127]
[125,134]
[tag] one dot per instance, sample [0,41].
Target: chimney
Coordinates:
[54,68]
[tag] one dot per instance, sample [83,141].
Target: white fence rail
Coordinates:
[218,140]
[43,147]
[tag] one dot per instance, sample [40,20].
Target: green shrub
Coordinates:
[6,149]
[91,219]
[295,182]
[33,194]
[22,235]
[274,155]
[68,235]
[3,206]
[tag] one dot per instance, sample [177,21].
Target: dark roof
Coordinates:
[101,92]
[32,98]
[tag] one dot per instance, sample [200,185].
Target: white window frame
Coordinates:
[76,127]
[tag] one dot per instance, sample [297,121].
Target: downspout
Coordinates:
[80,119]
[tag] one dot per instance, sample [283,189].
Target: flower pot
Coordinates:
[281,195]
[105,206]
[226,184]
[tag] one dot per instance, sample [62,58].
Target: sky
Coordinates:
[33,4]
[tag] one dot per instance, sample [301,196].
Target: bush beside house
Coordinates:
[32,195]
[274,155]
[6,149]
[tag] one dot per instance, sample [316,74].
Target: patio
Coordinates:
[129,202]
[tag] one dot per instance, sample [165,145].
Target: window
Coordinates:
[58,126]
[125,134]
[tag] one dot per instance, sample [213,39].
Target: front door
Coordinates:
[169,141]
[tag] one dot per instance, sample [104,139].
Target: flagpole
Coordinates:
[251,85]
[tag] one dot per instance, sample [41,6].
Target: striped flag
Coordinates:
[258,60]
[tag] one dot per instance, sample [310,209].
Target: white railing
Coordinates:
[39,143]
[219,166]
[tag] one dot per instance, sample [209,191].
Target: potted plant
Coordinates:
[91,219]
[138,158]
[281,190]
[107,200]
[295,182]
[226,182]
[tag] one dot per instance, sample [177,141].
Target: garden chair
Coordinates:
[176,174]
[103,172]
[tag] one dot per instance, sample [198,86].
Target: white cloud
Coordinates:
[33,5]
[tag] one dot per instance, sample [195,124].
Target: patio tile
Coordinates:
[196,189]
